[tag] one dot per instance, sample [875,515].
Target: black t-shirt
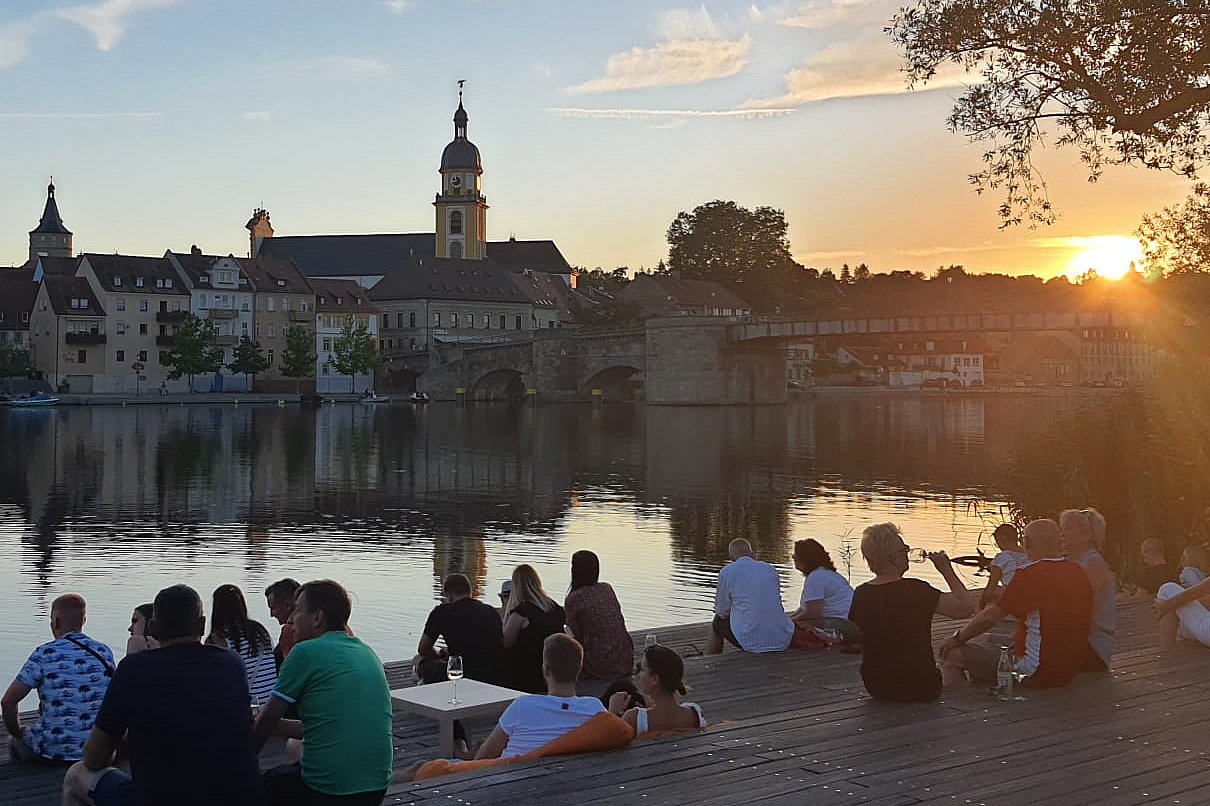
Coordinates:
[525,655]
[185,712]
[471,629]
[1151,577]
[896,622]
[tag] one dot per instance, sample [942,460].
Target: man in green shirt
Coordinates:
[344,707]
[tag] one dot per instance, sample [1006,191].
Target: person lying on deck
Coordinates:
[895,616]
[1183,612]
[661,675]
[1052,598]
[748,612]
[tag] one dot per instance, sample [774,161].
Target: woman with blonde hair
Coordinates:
[530,615]
[1083,536]
[895,616]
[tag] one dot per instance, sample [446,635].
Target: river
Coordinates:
[116,502]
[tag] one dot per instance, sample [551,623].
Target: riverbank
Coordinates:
[797,727]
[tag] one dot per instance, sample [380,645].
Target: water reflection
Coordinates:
[391,499]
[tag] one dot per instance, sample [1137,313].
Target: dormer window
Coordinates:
[204,279]
[168,282]
[117,282]
[281,283]
[340,300]
[139,282]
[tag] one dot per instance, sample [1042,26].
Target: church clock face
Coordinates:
[456,182]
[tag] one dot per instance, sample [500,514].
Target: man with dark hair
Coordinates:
[535,720]
[70,674]
[340,689]
[280,598]
[471,629]
[183,711]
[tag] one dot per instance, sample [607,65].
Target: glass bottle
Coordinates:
[1004,673]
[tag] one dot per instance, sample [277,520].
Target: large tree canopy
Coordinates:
[1122,81]
[746,250]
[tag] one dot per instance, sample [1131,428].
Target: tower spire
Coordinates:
[460,116]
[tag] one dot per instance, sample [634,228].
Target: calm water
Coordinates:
[115,503]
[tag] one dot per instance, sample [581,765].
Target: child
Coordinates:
[1155,570]
[1005,564]
[1193,566]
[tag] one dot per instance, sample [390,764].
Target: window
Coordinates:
[168,282]
[244,327]
[398,320]
[257,330]
[470,321]
[270,357]
[142,328]
[81,356]
[517,321]
[159,283]
[244,306]
[121,356]
[270,330]
[281,283]
[139,282]
[412,319]
[143,305]
[327,345]
[502,320]
[142,355]
[285,304]
[121,328]
[437,319]
[117,282]
[25,317]
[456,222]
[272,303]
[486,321]
[454,319]
[412,345]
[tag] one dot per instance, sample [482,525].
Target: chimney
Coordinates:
[195,250]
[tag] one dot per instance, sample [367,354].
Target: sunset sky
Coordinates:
[165,122]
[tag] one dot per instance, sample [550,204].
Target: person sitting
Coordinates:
[661,675]
[1184,613]
[747,605]
[230,628]
[506,591]
[1052,599]
[534,720]
[1193,566]
[1154,571]
[182,711]
[341,691]
[70,674]
[140,640]
[1004,565]
[594,617]
[280,598]
[1083,535]
[470,628]
[895,616]
[826,595]
[530,617]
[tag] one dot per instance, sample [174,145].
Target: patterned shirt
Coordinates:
[71,682]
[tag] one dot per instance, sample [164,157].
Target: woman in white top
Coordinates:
[230,628]
[1083,536]
[661,675]
[826,595]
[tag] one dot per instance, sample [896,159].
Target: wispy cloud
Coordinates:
[398,6]
[693,51]
[841,13]
[14,42]
[107,21]
[649,114]
[80,115]
[258,116]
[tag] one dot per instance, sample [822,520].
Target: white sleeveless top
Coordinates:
[641,718]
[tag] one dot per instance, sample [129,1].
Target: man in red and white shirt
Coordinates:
[1052,599]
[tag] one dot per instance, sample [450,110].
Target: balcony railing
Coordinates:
[225,341]
[165,340]
[171,317]
[223,313]
[85,338]
[302,316]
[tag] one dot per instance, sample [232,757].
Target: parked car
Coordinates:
[933,383]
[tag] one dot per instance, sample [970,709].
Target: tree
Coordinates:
[861,273]
[846,274]
[193,351]
[14,361]
[298,359]
[248,360]
[354,351]
[1122,81]
[747,251]
[1176,240]
[610,282]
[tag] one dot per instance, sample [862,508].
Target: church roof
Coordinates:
[449,279]
[52,222]
[533,255]
[461,154]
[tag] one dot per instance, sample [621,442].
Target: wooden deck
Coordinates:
[798,728]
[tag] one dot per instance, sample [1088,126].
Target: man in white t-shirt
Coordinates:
[747,606]
[535,720]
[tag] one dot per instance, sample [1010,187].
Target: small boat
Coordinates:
[374,399]
[419,398]
[37,401]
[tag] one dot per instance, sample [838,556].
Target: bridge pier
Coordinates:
[692,362]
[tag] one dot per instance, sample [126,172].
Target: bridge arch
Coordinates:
[496,385]
[616,382]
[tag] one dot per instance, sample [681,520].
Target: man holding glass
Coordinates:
[341,692]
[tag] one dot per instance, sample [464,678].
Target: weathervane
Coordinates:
[461,84]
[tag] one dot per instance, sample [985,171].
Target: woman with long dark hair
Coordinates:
[826,595]
[661,674]
[140,640]
[530,615]
[594,617]
[230,628]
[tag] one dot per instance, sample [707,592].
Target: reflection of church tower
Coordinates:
[461,208]
[51,238]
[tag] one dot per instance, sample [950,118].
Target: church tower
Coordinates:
[461,207]
[259,229]
[51,238]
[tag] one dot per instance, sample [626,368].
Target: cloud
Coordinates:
[398,6]
[14,42]
[107,21]
[855,68]
[258,116]
[651,114]
[693,50]
[841,13]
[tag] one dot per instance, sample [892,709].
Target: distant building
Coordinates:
[221,294]
[50,238]
[337,301]
[952,360]
[665,295]
[67,334]
[18,290]
[1049,358]
[1116,355]
[284,300]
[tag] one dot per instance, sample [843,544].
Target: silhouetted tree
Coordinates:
[248,359]
[193,351]
[14,361]
[299,357]
[354,351]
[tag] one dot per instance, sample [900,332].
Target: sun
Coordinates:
[1109,255]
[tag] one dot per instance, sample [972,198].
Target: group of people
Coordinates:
[207,695]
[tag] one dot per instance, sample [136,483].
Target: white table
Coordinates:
[432,700]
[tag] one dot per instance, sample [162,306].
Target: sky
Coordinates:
[165,122]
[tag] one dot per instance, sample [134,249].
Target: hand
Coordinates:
[940,560]
[618,702]
[1163,607]
[948,646]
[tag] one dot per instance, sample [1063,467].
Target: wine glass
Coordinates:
[650,641]
[918,555]
[453,670]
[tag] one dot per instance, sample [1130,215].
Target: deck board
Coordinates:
[798,727]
